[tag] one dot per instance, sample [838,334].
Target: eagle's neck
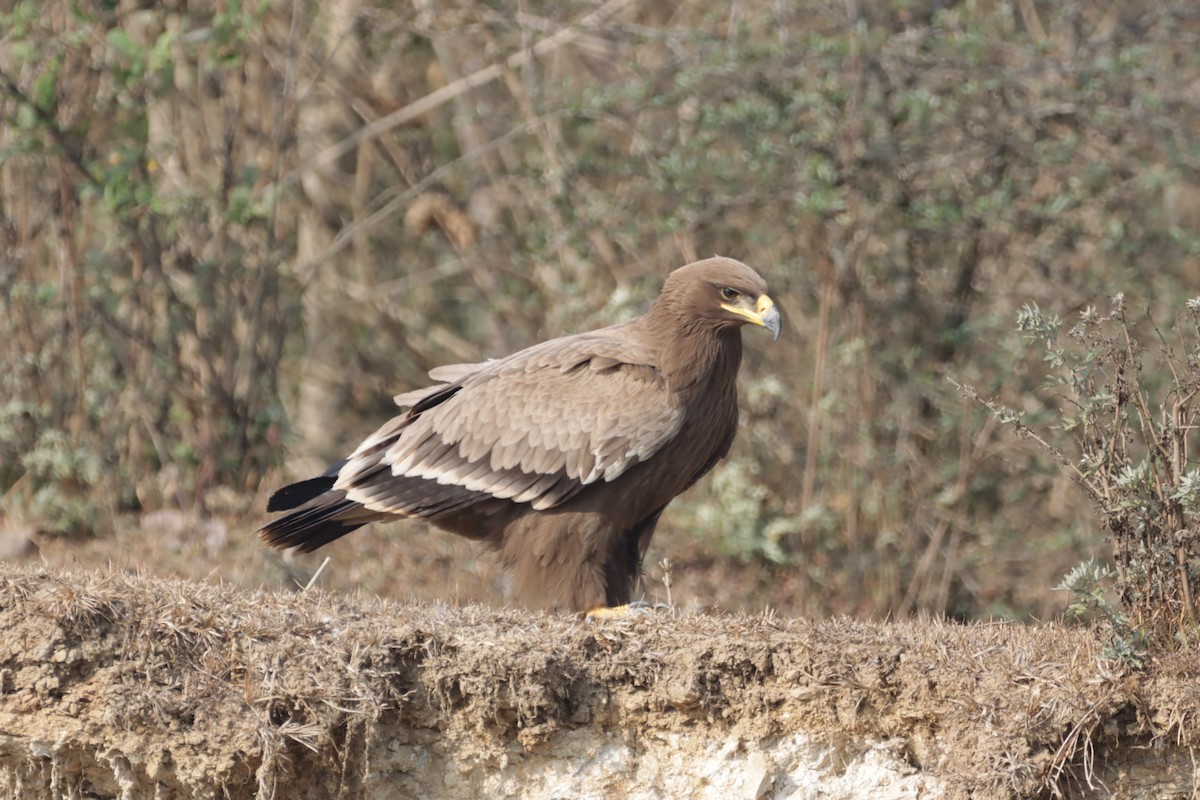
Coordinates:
[700,360]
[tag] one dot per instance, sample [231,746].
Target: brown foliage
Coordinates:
[226,240]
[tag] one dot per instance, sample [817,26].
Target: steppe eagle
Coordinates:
[561,457]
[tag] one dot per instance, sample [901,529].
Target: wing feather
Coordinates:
[535,427]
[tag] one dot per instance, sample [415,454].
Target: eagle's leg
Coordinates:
[623,571]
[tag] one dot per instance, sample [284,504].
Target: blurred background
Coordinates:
[230,232]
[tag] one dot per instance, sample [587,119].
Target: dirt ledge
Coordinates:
[119,685]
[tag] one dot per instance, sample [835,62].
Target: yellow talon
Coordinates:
[623,612]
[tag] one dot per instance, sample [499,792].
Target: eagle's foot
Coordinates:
[626,611]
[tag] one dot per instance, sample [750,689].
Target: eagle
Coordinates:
[560,457]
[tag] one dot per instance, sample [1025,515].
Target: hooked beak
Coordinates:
[765,314]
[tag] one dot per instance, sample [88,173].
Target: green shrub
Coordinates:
[1131,412]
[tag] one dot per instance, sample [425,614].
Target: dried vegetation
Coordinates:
[114,682]
[288,211]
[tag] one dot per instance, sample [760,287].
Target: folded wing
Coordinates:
[532,428]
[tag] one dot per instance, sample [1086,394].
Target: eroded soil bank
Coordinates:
[118,685]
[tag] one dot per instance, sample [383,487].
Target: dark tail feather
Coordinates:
[320,514]
[299,493]
[316,525]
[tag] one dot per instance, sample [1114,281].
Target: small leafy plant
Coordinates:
[1131,412]
[1088,583]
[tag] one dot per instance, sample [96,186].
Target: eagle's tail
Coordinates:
[318,514]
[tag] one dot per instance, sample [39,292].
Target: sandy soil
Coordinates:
[119,685]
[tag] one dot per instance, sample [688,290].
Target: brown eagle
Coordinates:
[561,457]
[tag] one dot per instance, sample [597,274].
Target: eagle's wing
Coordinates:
[535,427]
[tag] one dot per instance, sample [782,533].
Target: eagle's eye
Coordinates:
[729,294]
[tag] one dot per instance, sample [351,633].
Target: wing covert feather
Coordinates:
[535,427]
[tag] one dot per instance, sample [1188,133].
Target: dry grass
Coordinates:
[407,562]
[198,685]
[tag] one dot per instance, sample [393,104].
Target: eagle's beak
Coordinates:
[765,314]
